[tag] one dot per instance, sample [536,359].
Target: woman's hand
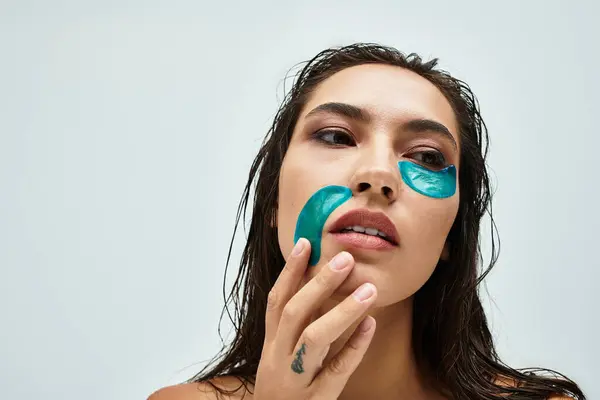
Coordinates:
[291,367]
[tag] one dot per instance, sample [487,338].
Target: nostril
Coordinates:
[363,186]
[387,191]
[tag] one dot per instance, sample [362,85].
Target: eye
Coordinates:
[429,158]
[335,137]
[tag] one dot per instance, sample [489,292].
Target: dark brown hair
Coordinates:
[451,338]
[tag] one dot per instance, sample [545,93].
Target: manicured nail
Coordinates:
[340,261]
[366,324]
[298,248]
[364,292]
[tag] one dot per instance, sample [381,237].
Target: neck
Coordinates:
[388,369]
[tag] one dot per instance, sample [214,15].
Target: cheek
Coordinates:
[297,182]
[288,207]
[428,222]
[425,226]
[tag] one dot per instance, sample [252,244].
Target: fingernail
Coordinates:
[298,248]
[366,324]
[364,292]
[339,262]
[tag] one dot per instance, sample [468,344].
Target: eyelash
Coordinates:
[438,163]
[439,159]
[321,134]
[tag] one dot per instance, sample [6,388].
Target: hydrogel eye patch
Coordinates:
[314,214]
[436,184]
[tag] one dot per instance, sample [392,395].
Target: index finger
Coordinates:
[286,286]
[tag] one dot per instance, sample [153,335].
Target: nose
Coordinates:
[376,180]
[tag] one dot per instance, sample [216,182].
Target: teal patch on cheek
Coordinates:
[314,214]
[437,184]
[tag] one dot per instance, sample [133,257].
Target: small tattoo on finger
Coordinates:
[297,366]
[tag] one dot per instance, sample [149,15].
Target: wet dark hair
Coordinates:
[451,338]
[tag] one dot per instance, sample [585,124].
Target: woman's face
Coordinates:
[359,146]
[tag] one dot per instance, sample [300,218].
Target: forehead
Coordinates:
[389,93]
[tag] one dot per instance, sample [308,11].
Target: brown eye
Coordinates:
[335,137]
[432,159]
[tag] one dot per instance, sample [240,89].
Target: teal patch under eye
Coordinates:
[436,184]
[314,214]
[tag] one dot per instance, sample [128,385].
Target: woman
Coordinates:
[375,169]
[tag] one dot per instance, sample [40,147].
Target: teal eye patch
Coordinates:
[314,214]
[437,184]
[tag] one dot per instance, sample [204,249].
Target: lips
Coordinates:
[367,219]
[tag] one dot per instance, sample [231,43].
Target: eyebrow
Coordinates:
[342,109]
[429,125]
[418,125]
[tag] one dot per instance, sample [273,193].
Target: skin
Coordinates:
[391,96]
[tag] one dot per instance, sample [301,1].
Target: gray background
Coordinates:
[127,129]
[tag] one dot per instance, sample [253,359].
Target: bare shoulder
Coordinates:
[511,382]
[204,390]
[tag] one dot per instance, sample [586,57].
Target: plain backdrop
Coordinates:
[127,129]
